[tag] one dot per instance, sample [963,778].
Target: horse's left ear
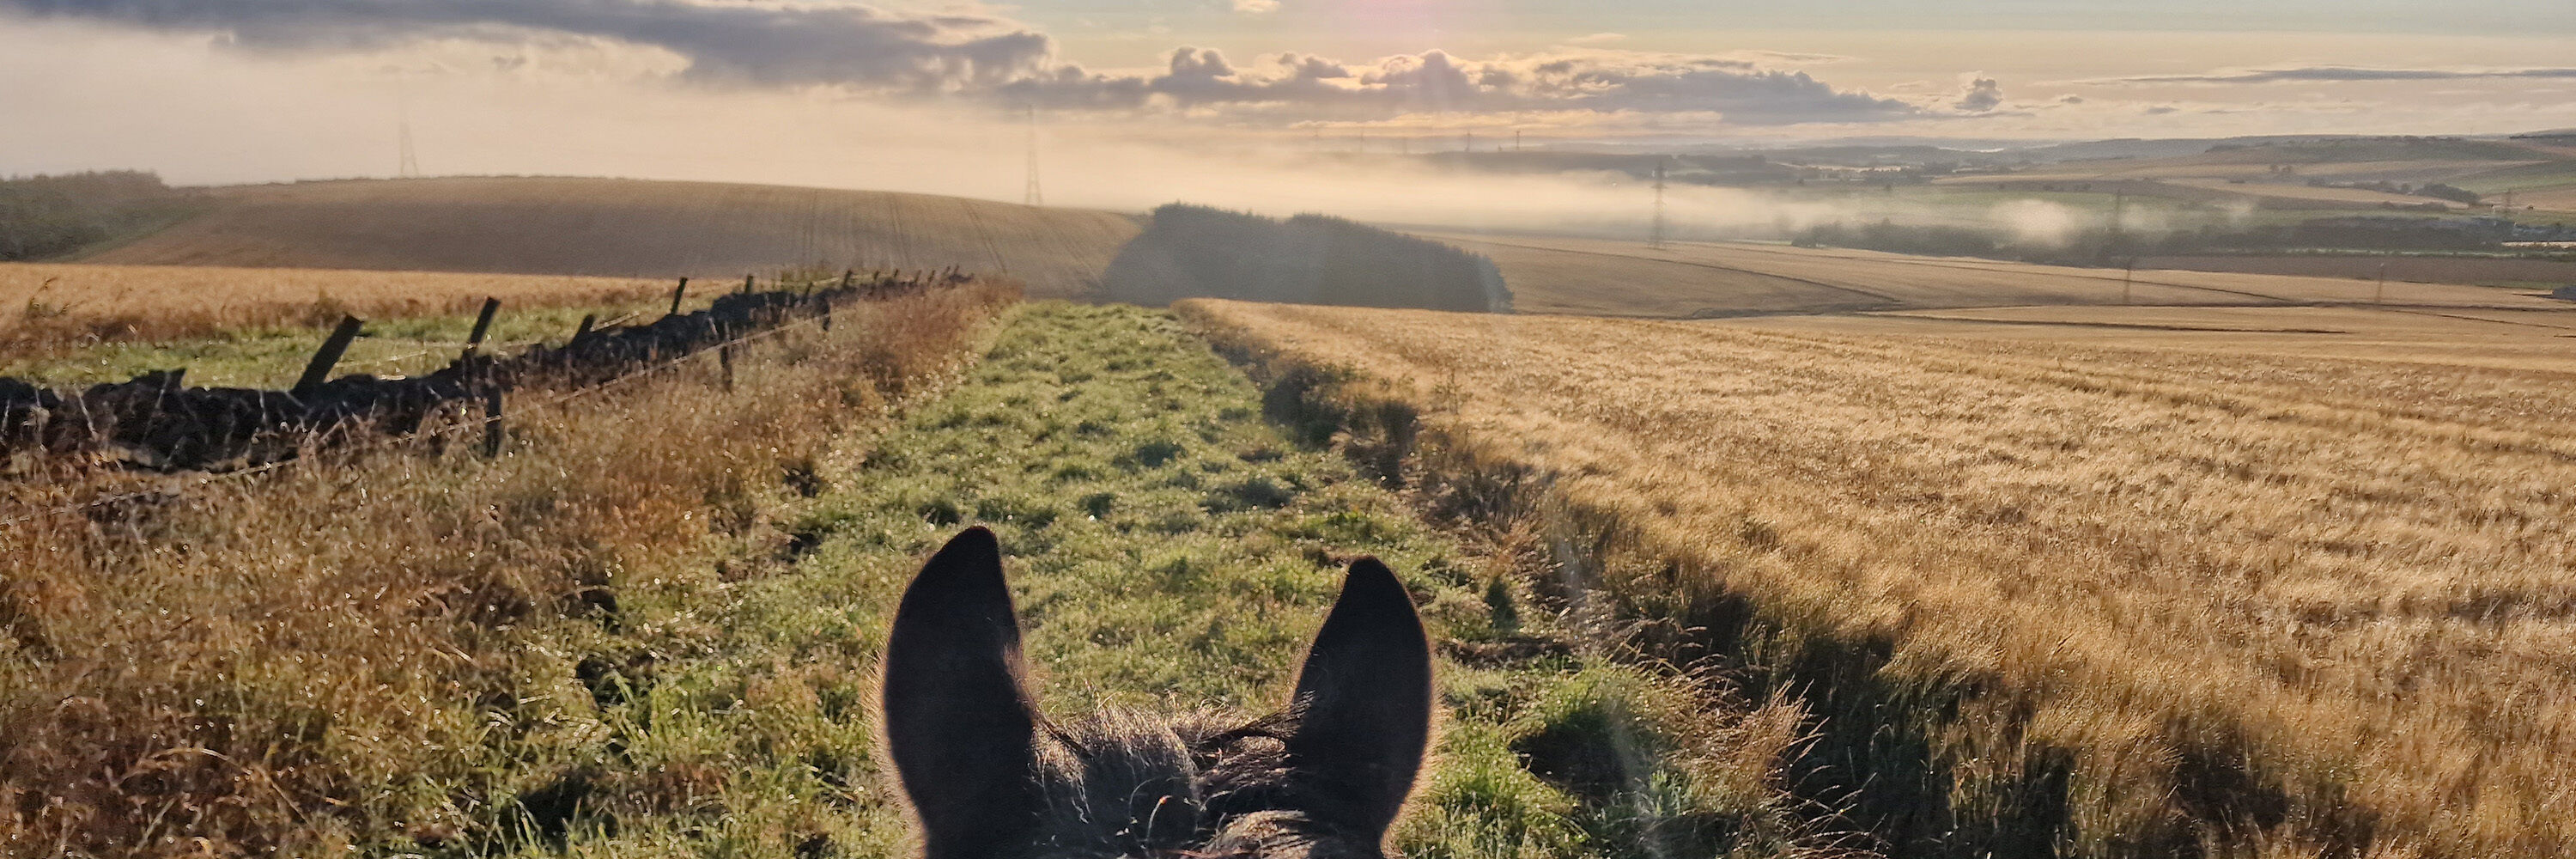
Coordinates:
[1364,701]
[959,723]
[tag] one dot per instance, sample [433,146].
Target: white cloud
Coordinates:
[1256,7]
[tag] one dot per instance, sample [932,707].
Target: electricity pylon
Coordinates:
[1656,238]
[1033,195]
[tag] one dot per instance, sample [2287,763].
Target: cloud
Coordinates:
[1983,95]
[981,56]
[1305,87]
[2338,74]
[774,45]
[1256,7]
[1597,39]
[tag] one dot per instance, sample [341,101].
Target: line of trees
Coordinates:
[46,216]
[1197,251]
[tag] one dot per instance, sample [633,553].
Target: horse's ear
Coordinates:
[1364,701]
[959,723]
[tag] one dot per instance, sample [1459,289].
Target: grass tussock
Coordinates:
[377,652]
[2042,598]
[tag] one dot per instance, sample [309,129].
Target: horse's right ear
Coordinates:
[958,721]
[1364,701]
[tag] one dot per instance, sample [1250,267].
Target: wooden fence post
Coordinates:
[724,359]
[491,421]
[676,293]
[588,320]
[319,371]
[746,284]
[482,326]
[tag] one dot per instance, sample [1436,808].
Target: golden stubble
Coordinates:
[2351,573]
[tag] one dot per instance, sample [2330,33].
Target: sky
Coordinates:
[942,96]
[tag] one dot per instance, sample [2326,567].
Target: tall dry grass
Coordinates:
[2046,598]
[349,651]
[48,307]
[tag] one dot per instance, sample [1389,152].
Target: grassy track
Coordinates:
[1169,550]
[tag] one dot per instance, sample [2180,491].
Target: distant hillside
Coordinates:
[47,216]
[630,228]
[1200,252]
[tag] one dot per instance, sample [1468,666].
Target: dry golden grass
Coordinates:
[340,653]
[632,228]
[1603,277]
[2195,599]
[51,305]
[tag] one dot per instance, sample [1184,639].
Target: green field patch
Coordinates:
[2494,183]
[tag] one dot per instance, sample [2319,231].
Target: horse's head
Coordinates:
[991,778]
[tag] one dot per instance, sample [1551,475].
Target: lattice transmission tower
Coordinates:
[407,160]
[1033,195]
[410,166]
[1656,239]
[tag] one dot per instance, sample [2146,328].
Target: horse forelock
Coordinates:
[1126,784]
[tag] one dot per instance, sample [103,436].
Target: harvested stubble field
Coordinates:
[2045,596]
[627,227]
[2534,340]
[1614,278]
[45,308]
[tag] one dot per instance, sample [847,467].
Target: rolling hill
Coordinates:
[629,228]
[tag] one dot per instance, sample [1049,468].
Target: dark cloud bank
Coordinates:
[768,44]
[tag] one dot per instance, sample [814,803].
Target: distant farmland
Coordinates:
[46,308]
[2423,269]
[631,228]
[2200,595]
[1624,278]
